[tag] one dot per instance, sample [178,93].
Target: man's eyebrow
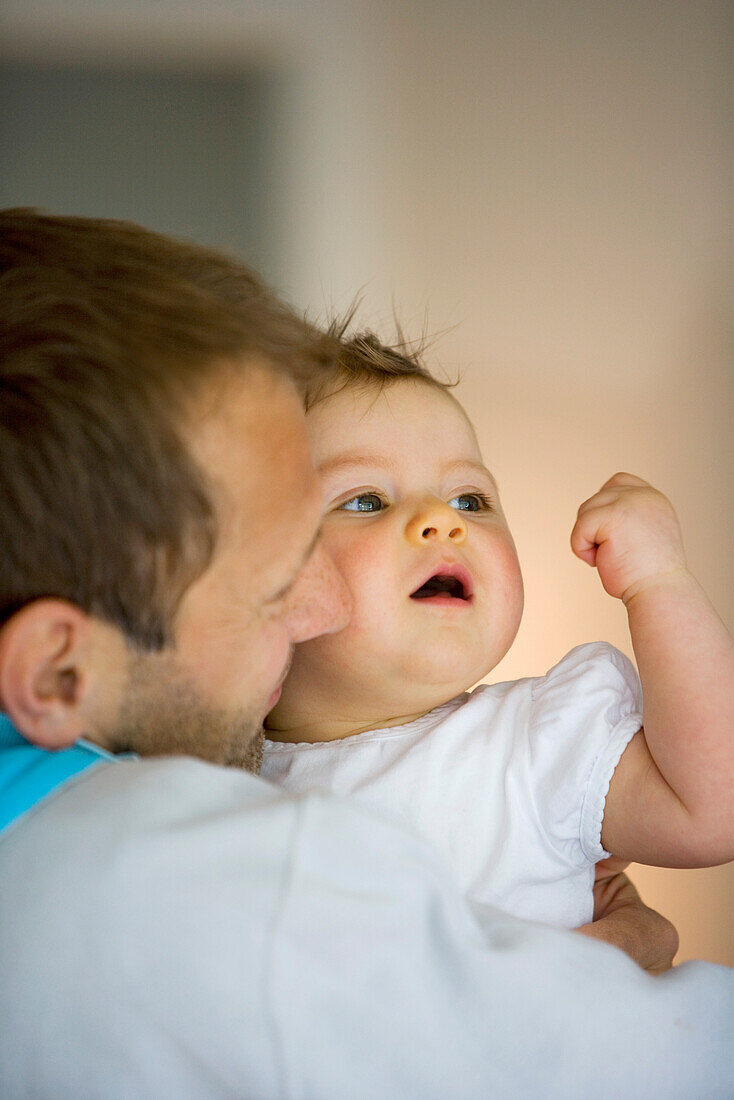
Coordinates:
[285,589]
[343,462]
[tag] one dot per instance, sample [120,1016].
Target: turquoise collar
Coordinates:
[29,774]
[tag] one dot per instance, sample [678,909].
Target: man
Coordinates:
[168,926]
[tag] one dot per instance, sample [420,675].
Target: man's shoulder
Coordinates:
[149,789]
[150,808]
[173,928]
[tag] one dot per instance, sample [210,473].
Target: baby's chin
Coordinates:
[277,716]
[358,706]
[344,684]
[293,712]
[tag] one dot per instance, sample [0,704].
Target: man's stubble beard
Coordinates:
[163,714]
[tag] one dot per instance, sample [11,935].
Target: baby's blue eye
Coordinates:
[364,502]
[470,502]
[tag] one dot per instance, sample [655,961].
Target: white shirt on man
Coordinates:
[173,929]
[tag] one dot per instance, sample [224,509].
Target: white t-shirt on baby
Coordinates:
[508,781]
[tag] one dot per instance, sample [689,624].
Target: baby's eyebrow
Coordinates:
[469,464]
[384,462]
[343,462]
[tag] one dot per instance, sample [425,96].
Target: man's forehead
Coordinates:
[250,442]
[251,446]
[245,416]
[235,392]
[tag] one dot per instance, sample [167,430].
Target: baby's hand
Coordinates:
[630,532]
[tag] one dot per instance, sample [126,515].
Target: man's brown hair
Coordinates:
[107,331]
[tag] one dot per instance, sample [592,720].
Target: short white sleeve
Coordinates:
[583,715]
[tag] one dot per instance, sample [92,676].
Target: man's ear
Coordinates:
[44,672]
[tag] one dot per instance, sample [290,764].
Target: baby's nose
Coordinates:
[433,520]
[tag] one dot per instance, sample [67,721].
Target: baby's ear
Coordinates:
[44,654]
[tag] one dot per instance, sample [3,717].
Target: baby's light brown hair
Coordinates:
[364,361]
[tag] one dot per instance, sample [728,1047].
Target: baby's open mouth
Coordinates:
[445,585]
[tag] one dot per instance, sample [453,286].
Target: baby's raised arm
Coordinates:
[671,799]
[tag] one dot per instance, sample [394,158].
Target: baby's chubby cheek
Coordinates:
[371,576]
[510,589]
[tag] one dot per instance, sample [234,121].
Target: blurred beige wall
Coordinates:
[547,185]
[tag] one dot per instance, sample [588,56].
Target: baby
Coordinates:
[524,785]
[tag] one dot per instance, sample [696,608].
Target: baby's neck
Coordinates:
[337,728]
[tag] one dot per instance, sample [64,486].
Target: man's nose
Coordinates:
[320,602]
[432,520]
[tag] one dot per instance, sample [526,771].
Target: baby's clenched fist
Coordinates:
[630,532]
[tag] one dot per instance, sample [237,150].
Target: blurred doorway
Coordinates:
[184,152]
